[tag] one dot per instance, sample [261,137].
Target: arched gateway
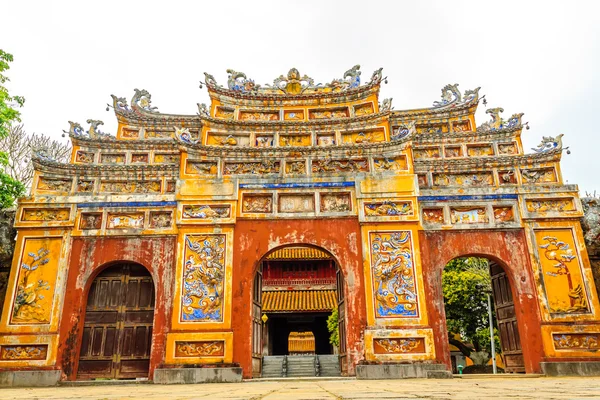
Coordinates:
[390,196]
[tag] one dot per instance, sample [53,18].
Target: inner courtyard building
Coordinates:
[185,247]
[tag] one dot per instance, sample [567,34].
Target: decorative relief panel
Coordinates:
[294,140]
[480,151]
[389,208]
[251,168]
[46,214]
[259,116]
[422,181]
[356,165]
[131,187]
[206,211]
[160,219]
[561,271]
[363,137]
[295,167]
[58,185]
[89,221]
[112,158]
[36,282]
[330,113]
[85,186]
[452,151]
[545,205]
[398,345]
[264,141]
[128,133]
[468,215]
[336,202]
[503,214]
[326,140]
[165,158]
[214,139]
[432,128]
[257,203]
[398,163]
[475,179]
[430,152]
[200,349]
[171,185]
[24,352]
[576,341]
[296,203]
[84,157]
[433,216]
[461,126]
[293,115]
[125,221]
[543,175]
[507,177]
[201,167]
[393,274]
[507,148]
[363,109]
[203,278]
[139,158]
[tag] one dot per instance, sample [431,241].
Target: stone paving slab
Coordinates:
[474,389]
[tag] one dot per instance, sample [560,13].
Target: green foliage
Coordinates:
[466,282]
[10,189]
[333,328]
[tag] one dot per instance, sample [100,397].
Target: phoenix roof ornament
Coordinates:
[451,96]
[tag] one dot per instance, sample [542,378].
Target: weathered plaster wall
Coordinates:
[509,249]
[89,256]
[254,239]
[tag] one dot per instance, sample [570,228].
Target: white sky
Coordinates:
[540,58]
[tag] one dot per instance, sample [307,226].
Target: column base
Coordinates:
[169,376]
[571,368]
[402,371]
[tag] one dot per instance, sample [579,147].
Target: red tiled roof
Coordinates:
[299,300]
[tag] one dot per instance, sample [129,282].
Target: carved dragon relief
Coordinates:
[451,96]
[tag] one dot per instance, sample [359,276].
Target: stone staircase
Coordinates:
[300,366]
[329,365]
[272,367]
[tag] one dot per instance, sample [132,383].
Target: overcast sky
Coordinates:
[540,58]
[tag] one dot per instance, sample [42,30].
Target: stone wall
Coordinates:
[7,248]
[591,230]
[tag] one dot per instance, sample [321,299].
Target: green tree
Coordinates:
[10,189]
[466,282]
[333,328]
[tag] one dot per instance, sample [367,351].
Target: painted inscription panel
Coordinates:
[203,278]
[398,345]
[200,349]
[561,271]
[393,274]
[36,281]
[24,352]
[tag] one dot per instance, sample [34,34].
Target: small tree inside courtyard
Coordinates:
[466,282]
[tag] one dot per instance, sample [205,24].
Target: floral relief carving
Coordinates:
[295,167]
[251,168]
[390,164]
[357,165]
[131,187]
[545,205]
[399,346]
[90,221]
[160,219]
[503,214]
[40,215]
[389,208]
[24,352]
[206,211]
[576,341]
[84,157]
[433,215]
[58,185]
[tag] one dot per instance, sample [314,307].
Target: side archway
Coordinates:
[506,248]
[118,320]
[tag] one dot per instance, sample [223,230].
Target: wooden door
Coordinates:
[341,320]
[117,333]
[257,324]
[506,319]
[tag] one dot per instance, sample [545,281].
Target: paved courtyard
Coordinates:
[491,388]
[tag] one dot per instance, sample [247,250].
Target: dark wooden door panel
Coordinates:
[506,319]
[117,334]
[257,324]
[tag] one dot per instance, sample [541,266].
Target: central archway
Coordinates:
[296,288]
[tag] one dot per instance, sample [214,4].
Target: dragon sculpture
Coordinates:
[495,123]
[549,143]
[351,79]
[239,82]
[451,96]
[142,101]
[94,131]
[386,105]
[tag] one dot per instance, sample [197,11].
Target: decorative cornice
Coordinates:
[146,144]
[449,137]
[477,163]
[115,171]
